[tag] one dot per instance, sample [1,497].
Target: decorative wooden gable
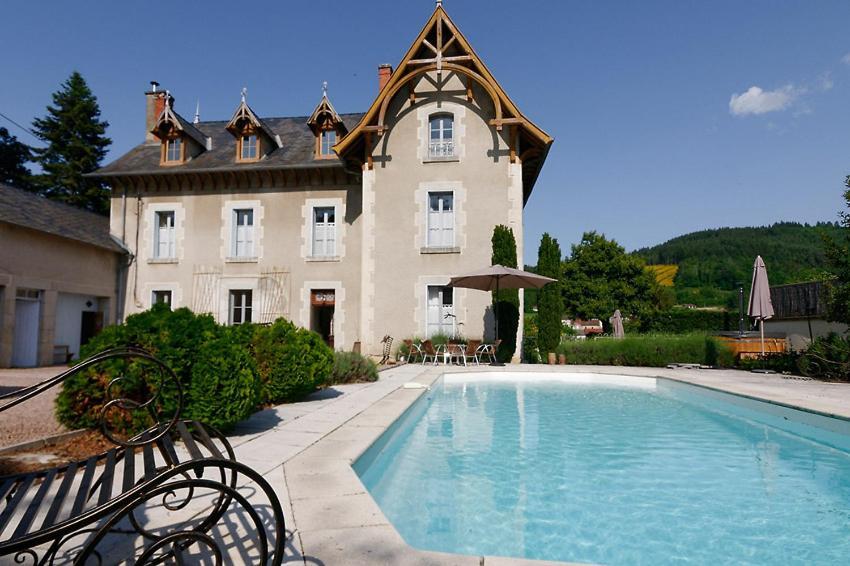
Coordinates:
[443,49]
[253,138]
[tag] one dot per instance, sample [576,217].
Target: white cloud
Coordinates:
[846,59]
[759,101]
[825,81]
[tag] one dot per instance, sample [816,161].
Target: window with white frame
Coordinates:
[164,246]
[240,306]
[441,219]
[328,140]
[243,232]
[174,150]
[441,139]
[249,147]
[324,231]
[161,297]
[441,311]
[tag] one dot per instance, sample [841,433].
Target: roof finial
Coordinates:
[325,88]
[244,93]
[167,97]
[439,3]
[197,112]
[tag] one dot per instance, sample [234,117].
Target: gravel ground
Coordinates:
[33,419]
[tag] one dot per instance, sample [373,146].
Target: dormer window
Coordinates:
[181,141]
[327,126]
[249,147]
[254,139]
[441,141]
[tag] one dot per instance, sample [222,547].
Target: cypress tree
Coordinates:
[507,301]
[76,144]
[13,158]
[550,303]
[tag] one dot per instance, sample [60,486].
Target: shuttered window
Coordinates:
[243,232]
[324,231]
[441,220]
[441,311]
[164,236]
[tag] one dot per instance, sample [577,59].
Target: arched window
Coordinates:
[441,139]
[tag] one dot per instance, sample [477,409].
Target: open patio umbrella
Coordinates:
[617,324]
[760,306]
[498,277]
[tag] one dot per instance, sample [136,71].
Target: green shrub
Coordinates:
[682,321]
[530,349]
[174,337]
[292,362]
[225,387]
[351,367]
[781,362]
[651,350]
[827,358]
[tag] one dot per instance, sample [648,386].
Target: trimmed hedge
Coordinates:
[651,350]
[292,361]
[351,367]
[225,372]
[680,321]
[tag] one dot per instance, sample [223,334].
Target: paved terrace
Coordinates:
[306,451]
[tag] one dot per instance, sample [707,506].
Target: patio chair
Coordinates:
[470,352]
[428,350]
[489,350]
[414,350]
[387,341]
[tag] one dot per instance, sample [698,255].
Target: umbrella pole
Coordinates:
[761,329]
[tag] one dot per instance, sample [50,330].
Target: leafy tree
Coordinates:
[600,276]
[13,158]
[76,144]
[550,303]
[506,301]
[838,256]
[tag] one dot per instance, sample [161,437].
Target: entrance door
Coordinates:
[92,324]
[25,346]
[322,305]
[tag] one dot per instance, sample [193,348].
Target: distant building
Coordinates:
[584,328]
[59,278]
[800,312]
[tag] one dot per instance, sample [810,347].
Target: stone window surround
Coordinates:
[227,232]
[424,114]
[421,220]
[339,308]
[307,228]
[228,284]
[420,314]
[176,293]
[150,227]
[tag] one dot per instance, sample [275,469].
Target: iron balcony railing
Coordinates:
[441,149]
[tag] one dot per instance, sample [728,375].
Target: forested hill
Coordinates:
[719,258]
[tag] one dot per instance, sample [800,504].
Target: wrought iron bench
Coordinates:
[183,471]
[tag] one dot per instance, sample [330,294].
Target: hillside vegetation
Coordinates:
[711,262]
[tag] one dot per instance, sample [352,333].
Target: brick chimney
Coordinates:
[154,103]
[385,71]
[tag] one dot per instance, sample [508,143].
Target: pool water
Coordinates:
[632,471]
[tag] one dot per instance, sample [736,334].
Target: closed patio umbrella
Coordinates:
[617,324]
[498,277]
[761,308]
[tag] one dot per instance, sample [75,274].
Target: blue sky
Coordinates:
[668,115]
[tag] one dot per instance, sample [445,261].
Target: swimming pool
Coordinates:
[613,470]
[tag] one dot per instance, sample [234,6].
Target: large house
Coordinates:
[347,224]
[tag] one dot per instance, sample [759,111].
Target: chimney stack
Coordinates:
[385,71]
[154,103]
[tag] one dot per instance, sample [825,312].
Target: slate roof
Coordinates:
[298,151]
[29,210]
